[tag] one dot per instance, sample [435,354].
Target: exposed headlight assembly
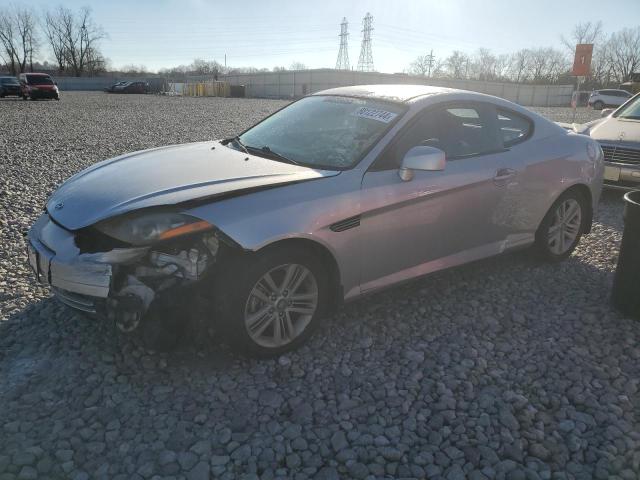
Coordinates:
[144,228]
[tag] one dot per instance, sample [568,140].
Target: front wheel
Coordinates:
[598,105]
[562,227]
[271,302]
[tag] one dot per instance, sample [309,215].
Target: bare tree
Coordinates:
[483,65]
[502,66]
[53,23]
[602,65]
[295,65]
[546,64]
[421,65]
[25,20]
[205,67]
[519,65]
[625,52]
[18,37]
[587,32]
[458,64]
[8,40]
[438,70]
[73,38]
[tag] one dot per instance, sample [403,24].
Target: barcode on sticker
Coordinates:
[375,114]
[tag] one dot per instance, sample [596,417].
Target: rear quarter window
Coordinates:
[514,128]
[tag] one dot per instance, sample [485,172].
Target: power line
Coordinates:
[365,62]
[343,54]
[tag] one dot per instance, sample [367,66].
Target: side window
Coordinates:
[464,131]
[460,130]
[513,128]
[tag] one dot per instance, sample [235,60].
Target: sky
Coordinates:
[165,33]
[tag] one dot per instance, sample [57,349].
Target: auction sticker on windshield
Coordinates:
[375,114]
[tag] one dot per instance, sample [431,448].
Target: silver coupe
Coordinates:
[339,194]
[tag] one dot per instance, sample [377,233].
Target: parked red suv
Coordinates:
[38,85]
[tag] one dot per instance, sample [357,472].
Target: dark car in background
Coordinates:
[9,86]
[38,85]
[128,87]
[116,87]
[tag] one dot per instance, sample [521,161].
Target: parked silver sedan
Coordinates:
[339,194]
[618,132]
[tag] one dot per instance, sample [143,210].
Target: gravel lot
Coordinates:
[503,369]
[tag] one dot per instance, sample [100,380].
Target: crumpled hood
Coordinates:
[617,130]
[166,176]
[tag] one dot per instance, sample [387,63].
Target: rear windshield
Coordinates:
[9,81]
[39,80]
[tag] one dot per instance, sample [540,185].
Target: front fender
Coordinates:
[297,211]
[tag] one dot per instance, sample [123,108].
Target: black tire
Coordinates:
[24,97]
[232,292]
[599,105]
[542,234]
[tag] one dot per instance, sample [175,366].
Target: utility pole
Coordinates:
[365,62]
[343,54]
[430,60]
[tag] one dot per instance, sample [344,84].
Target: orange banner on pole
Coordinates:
[582,60]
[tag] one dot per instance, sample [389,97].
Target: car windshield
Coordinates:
[322,131]
[631,110]
[9,81]
[39,80]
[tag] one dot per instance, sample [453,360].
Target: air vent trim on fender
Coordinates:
[345,224]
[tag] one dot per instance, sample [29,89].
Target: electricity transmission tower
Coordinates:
[343,55]
[365,62]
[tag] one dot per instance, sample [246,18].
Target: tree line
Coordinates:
[615,57]
[72,37]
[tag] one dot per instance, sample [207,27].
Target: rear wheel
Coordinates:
[271,302]
[599,105]
[562,227]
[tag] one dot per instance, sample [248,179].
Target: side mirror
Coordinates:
[421,158]
[606,112]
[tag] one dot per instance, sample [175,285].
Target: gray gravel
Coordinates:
[502,369]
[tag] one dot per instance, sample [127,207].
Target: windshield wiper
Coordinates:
[237,141]
[270,153]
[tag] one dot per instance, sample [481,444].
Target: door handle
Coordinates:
[503,175]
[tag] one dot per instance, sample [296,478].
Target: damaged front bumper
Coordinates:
[119,283]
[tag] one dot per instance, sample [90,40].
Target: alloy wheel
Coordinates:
[565,227]
[281,305]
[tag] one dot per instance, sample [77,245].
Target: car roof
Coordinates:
[390,93]
[31,74]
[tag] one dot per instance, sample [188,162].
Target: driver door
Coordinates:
[438,218]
